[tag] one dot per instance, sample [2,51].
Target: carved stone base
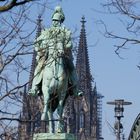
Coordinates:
[53,136]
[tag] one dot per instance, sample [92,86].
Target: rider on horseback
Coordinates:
[57,35]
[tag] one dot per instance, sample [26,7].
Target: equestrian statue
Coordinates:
[55,75]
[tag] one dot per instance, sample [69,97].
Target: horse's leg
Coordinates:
[60,108]
[47,113]
[46,98]
[50,116]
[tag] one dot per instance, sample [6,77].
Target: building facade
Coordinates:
[84,116]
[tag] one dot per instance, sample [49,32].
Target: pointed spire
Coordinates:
[82,62]
[95,90]
[84,75]
[33,65]
[39,26]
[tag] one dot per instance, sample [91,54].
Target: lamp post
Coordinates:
[119,109]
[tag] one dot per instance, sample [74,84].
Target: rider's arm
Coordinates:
[40,45]
[68,40]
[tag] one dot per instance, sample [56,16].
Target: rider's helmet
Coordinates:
[58,14]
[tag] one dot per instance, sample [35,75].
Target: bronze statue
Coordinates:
[55,73]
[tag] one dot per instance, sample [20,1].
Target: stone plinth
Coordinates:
[53,136]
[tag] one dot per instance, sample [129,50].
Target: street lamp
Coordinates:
[119,109]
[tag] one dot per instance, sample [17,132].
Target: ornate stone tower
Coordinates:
[84,115]
[85,83]
[88,122]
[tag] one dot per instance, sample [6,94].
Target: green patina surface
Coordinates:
[55,74]
[135,130]
[54,136]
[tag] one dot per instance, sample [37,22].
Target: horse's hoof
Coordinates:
[43,117]
[32,92]
[80,93]
[59,131]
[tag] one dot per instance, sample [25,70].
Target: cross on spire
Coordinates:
[83,21]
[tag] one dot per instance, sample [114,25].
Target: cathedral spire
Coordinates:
[82,62]
[26,128]
[85,80]
[33,64]
[39,26]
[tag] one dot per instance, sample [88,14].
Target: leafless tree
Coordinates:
[129,16]
[17,33]
[7,5]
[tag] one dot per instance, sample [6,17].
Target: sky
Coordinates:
[115,78]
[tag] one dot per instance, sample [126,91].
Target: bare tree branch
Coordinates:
[11,4]
[129,9]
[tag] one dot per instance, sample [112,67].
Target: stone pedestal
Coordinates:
[53,136]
